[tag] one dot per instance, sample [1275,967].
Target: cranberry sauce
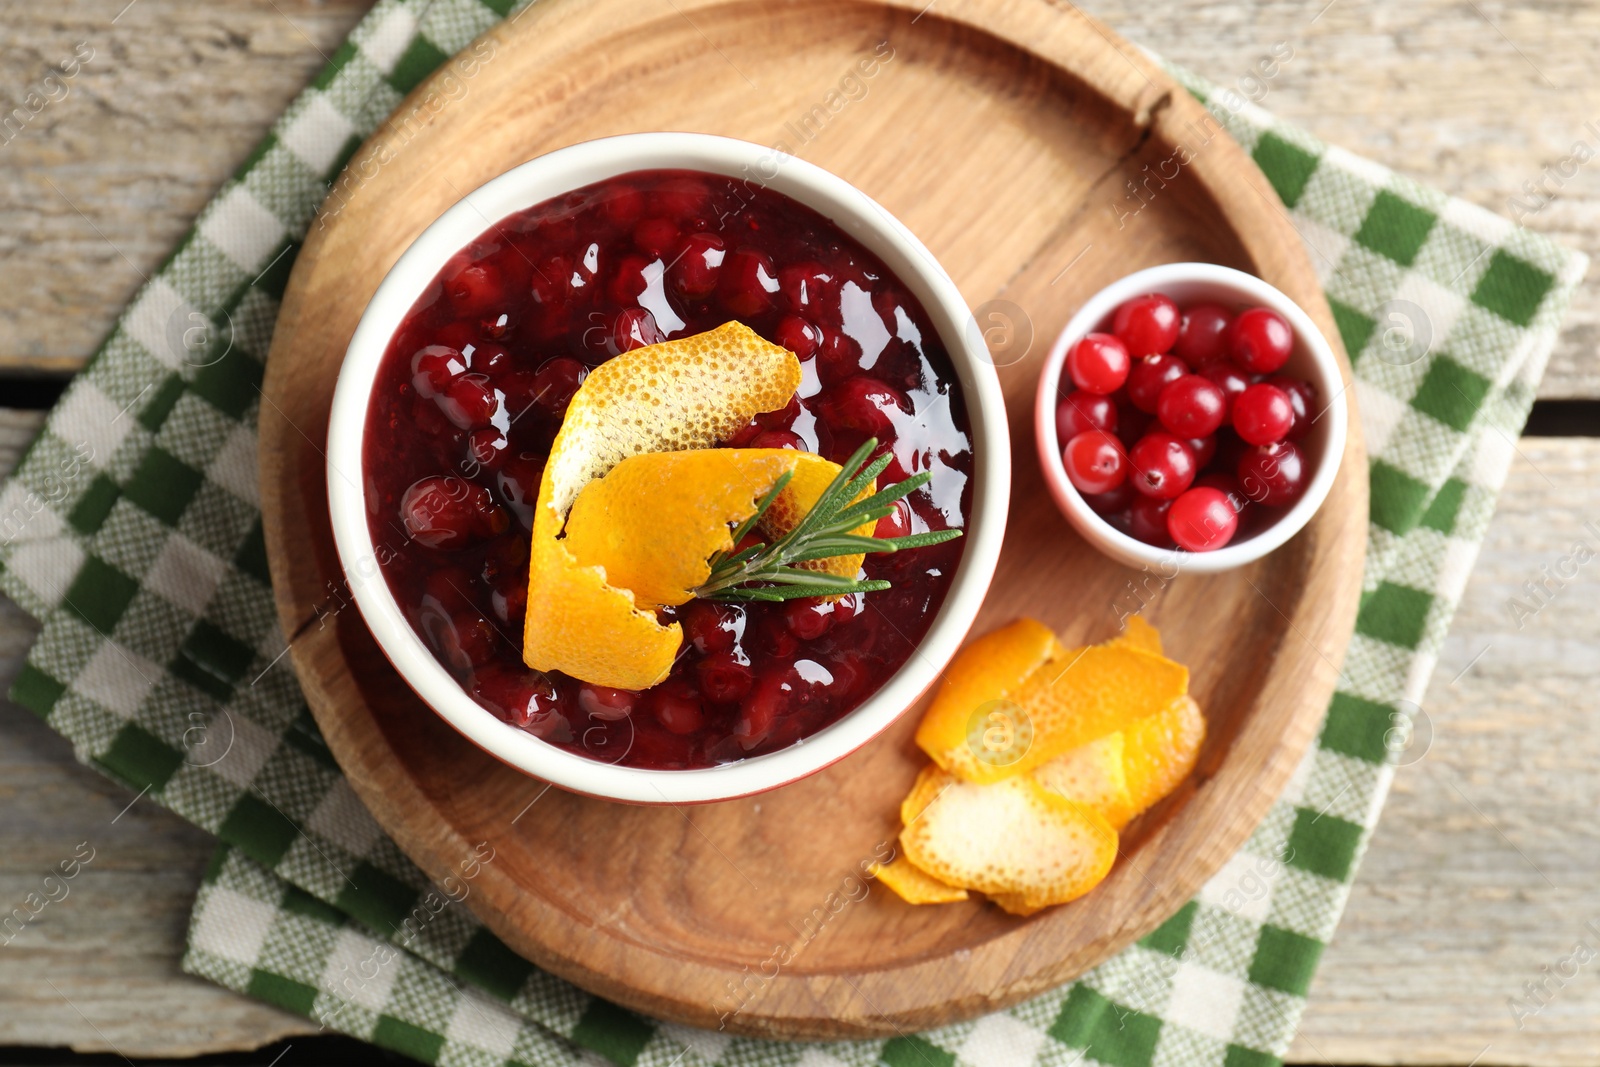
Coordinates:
[476,381]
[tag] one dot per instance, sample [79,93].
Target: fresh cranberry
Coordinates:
[1095,462]
[635,328]
[1262,414]
[1260,340]
[447,512]
[1202,335]
[434,367]
[1201,519]
[1098,363]
[1228,485]
[1203,448]
[1161,465]
[798,336]
[1273,475]
[1302,397]
[895,524]
[656,237]
[748,283]
[1150,375]
[473,287]
[555,383]
[712,627]
[696,265]
[1230,379]
[487,448]
[1079,411]
[866,405]
[629,282]
[778,439]
[677,707]
[1110,503]
[803,285]
[605,703]
[1191,406]
[1147,521]
[725,677]
[1147,324]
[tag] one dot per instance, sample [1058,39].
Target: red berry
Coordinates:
[555,383]
[1161,465]
[748,283]
[1080,411]
[473,286]
[712,627]
[725,677]
[1147,521]
[1202,335]
[1203,448]
[605,703]
[677,707]
[635,328]
[488,448]
[798,336]
[1147,324]
[1260,340]
[895,524]
[1191,406]
[803,286]
[1202,519]
[1230,379]
[434,367]
[683,196]
[447,512]
[1262,414]
[1302,397]
[525,699]
[808,618]
[622,206]
[1150,375]
[629,282]
[1110,503]
[656,237]
[865,405]
[772,695]
[518,482]
[1132,424]
[1273,474]
[1098,364]
[697,265]
[1094,462]
[1228,485]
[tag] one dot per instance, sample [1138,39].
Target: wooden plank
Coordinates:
[178,94]
[1483,868]
[97,969]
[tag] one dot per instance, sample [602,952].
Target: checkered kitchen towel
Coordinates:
[132,531]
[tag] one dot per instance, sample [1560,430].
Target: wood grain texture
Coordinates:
[675,904]
[179,93]
[97,970]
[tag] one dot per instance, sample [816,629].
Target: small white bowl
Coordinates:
[1312,359]
[562,171]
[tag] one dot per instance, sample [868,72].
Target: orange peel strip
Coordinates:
[1160,750]
[1138,634]
[915,885]
[656,520]
[986,670]
[1012,838]
[1094,774]
[690,393]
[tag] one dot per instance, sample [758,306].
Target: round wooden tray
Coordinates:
[1005,135]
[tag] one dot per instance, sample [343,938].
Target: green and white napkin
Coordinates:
[132,531]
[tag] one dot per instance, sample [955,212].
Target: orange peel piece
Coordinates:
[1094,774]
[690,393]
[915,885]
[656,519]
[1012,839]
[1139,634]
[971,698]
[1160,750]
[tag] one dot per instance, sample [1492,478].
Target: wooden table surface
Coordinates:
[1485,869]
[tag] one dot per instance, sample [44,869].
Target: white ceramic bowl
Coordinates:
[560,172]
[1311,359]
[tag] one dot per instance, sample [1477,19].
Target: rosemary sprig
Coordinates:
[766,572]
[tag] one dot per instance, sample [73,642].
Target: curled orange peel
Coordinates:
[915,885]
[690,393]
[1160,750]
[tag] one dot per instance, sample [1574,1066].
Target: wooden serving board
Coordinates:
[1005,135]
